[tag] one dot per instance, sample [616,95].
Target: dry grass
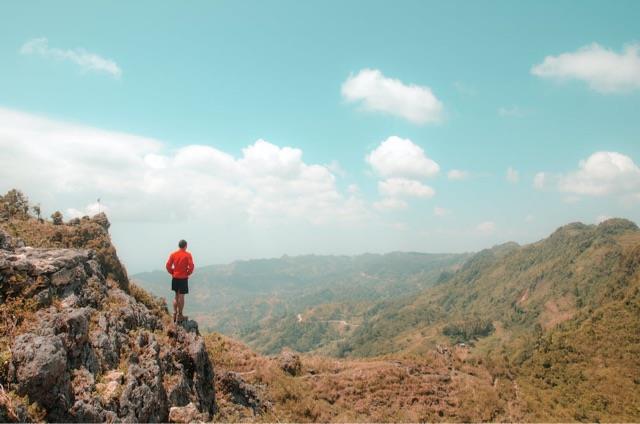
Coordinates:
[408,388]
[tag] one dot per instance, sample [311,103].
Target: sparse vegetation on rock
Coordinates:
[79,344]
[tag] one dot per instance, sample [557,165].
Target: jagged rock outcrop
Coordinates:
[243,393]
[85,350]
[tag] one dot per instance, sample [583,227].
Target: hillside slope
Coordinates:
[560,317]
[439,386]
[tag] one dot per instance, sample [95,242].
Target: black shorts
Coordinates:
[180,285]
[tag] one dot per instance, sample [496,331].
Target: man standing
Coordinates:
[180,266]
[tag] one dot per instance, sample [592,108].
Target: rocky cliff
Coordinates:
[77,344]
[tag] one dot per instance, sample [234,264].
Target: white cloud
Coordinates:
[390,204]
[414,103]
[601,218]
[539,180]
[602,173]
[513,176]
[486,228]
[89,210]
[396,187]
[602,69]
[438,211]
[398,157]
[457,175]
[87,61]
[510,112]
[142,180]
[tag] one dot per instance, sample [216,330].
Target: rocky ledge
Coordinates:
[80,348]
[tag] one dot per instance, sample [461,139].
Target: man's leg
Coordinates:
[180,304]
[175,305]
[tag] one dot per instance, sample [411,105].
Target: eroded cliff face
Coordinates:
[77,347]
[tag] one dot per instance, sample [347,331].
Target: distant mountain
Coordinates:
[561,317]
[301,301]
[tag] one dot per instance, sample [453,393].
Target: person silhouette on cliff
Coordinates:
[180,266]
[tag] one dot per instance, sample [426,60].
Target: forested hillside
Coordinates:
[306,302]
[561,317]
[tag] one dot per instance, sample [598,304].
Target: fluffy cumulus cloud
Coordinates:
[403,187]
[378,93]
[141,179]
[87,61]
[602,173]
[399,157]
[89,210]
[401,163]
[604,70]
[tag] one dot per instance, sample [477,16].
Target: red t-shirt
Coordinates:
[180,264]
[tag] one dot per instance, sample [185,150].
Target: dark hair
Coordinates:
[182,244]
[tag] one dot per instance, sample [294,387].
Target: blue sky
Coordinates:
[112,100]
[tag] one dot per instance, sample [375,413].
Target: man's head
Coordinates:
[182,244]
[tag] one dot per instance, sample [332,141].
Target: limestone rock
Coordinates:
[90,352]
[39,369]
[242,392]
[186,414]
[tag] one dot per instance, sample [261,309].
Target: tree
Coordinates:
[14,204]
[57,218]
[36,209]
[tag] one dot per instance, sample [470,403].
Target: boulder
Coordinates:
[242,393]
[39,369]
[289,362]
[186,414]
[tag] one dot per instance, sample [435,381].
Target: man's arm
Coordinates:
[191,265]
[169,264]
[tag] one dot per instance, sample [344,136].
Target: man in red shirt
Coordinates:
[180,266]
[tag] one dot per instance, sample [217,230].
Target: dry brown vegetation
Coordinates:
[442,385]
